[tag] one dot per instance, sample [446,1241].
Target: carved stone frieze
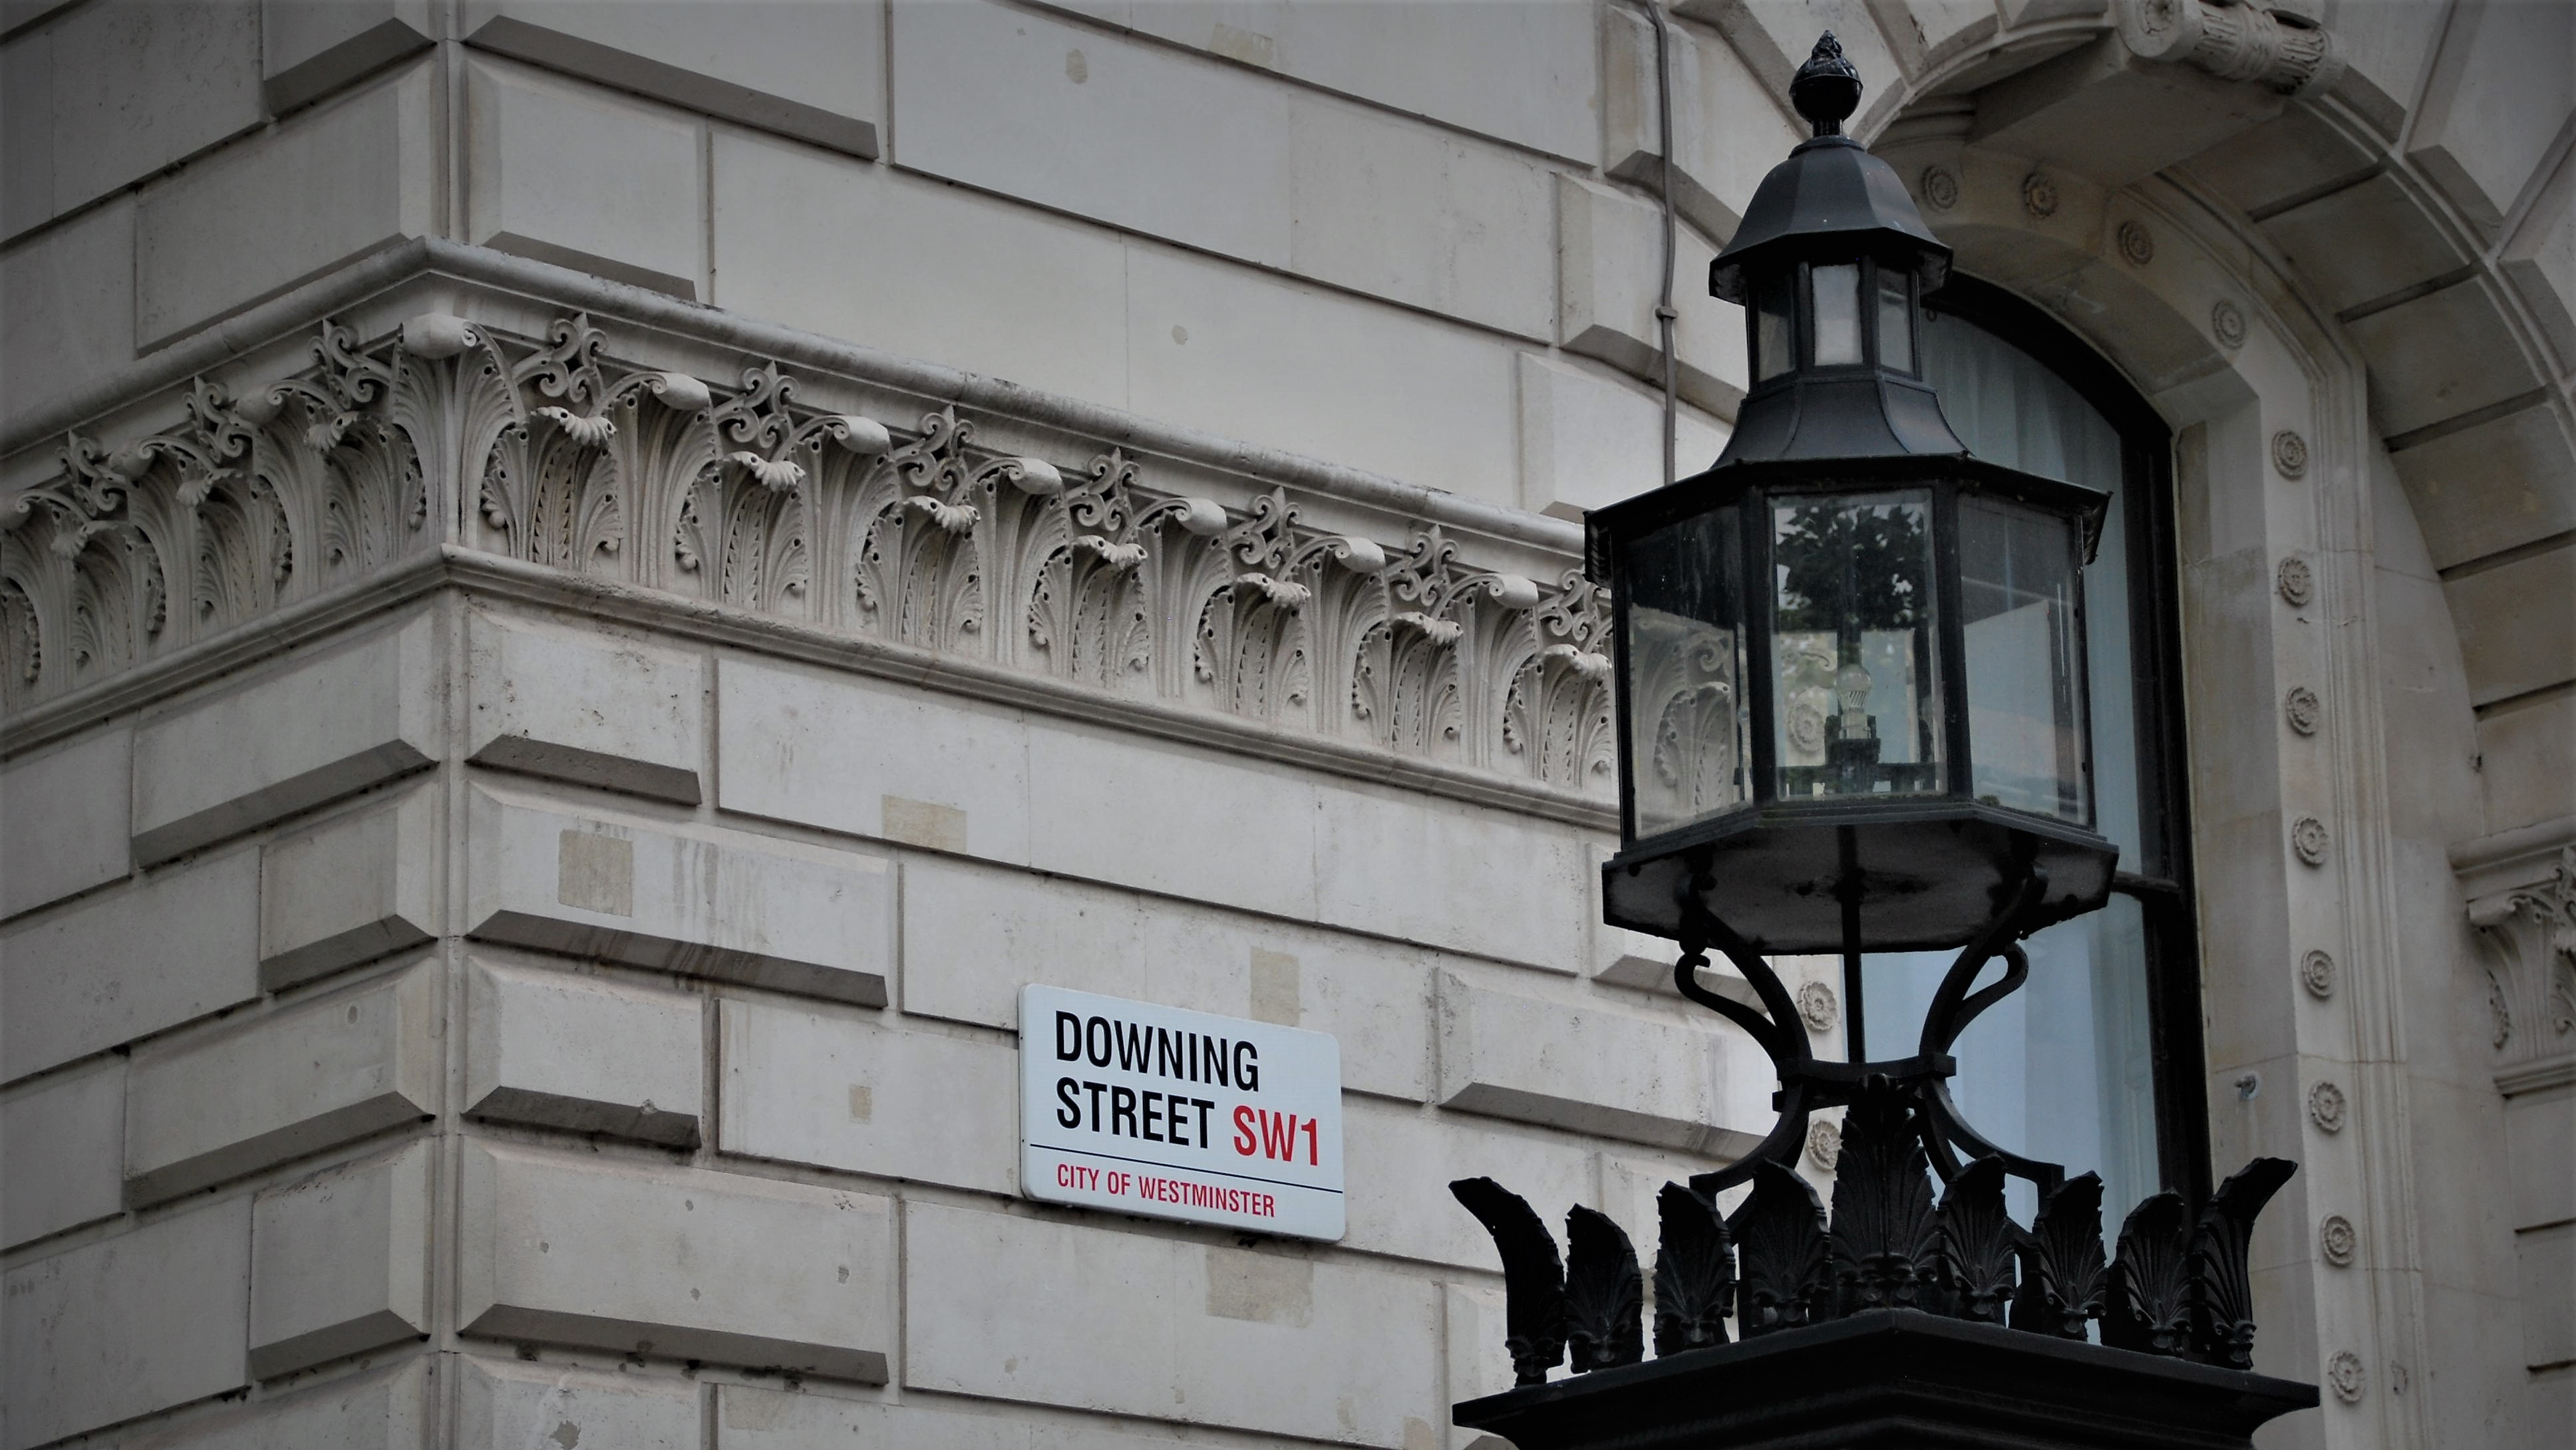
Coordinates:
[252,504]
[909,531]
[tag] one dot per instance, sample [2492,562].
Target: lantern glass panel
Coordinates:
[1684,654]
[1895,322]
[1855,660]
[1837,314]
[2018,601]
[1775,333]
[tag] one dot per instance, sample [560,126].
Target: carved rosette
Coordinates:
[2317,974]
[912,531]
[2296,582]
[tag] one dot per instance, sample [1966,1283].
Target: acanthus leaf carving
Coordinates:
[2526,933]
[744,496]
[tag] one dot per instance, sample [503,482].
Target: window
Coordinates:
[2096,1062]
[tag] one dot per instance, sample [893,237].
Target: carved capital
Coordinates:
[2276,44]
[2522,903]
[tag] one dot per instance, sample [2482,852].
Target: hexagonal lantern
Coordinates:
[1851,686]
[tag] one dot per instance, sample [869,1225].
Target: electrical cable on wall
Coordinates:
[1665,316]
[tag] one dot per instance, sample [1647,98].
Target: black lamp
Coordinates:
[1851,679]
[1851,700]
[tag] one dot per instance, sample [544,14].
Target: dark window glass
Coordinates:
[2096,1063]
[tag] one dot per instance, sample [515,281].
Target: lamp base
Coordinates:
[1929,877]
[1890,1378]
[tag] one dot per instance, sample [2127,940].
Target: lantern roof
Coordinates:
[1829,188]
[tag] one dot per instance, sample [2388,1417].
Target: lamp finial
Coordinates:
[1827,88]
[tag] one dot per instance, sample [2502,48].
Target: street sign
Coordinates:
[1151,1110]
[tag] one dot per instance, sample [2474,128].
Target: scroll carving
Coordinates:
[252,504]
[2527,937]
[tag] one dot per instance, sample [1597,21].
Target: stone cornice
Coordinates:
[1342,626]
[416,260]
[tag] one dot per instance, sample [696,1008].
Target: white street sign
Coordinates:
[1152,1110]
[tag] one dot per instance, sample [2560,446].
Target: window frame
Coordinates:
[2165,896]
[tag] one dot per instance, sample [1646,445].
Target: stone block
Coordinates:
[1588,1070]
[1287,365]
[66,301]
[1413,1152]
[1521,73]
[287,741]
[2385,48]
[310,48]
[2548,1262]
[2103,112]
[350,889]
[559,1050]
[838,1090]
[1774,37]
[125,1326]
[282,207]
[1728,129]
[567,173]
[1472,1318]
[2540,1143]
[121,90]
[510,1406]
[2527,756]
[590,709]
[60,1143]
[1143,138]
[2285,157]
[2517,633]
[749,1417]
[2433,359]
[812,72]
[64,820]
[1253,1340]
[1173,820]
[1416,216]
[710,904]
[1464,877]
[1610,257]
[2495,105]
[385,1410]
[2406,246]
[340,1263]
[676,1262]
[2496,486]
[292,1082]
[918,267]
[973,935]
[1588,441]
[128,963]
[1373,996]
[2539,260]
[783,752]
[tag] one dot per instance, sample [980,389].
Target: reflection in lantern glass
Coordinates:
[1856,682]
[1775,341]
[2025,726]
[1895,323]
[1684,661]
[1837,314]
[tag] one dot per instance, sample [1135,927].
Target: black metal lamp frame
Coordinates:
[1809,1083]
